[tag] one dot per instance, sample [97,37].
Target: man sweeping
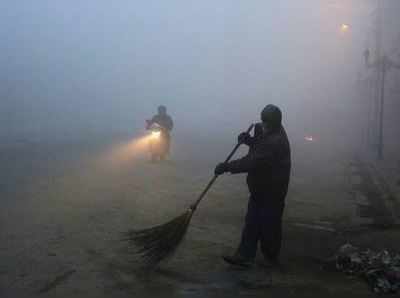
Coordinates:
[267,165]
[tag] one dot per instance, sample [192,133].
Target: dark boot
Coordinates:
[238,260]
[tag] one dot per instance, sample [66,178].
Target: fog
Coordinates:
[73,68]
[79,79]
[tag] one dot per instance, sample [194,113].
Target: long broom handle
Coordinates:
[194,206]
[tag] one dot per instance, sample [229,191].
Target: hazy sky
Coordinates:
[94,65]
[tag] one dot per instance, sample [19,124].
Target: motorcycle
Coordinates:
[158,142]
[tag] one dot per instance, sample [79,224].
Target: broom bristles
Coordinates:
[155,244]
[152,245]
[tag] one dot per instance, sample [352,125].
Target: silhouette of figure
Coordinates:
[267,165]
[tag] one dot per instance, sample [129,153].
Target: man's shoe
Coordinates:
[238,260]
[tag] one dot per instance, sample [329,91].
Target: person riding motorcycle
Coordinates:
[163,123]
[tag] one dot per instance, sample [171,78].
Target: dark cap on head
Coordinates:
[162,109]
[272,116]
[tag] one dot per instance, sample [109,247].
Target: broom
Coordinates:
[153,245]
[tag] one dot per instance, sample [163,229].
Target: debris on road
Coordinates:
[381,269]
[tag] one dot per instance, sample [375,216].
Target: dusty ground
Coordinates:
[64,207]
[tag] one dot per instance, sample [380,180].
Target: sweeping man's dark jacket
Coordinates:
[267,164]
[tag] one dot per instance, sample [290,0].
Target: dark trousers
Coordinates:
[263,223]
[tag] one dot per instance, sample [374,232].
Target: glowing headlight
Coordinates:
[155,134]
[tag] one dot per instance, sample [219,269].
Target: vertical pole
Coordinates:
[378,37]
[379,83]
[381,108]
[370,124]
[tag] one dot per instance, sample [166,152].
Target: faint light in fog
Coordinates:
[309,138]
[127,152]
[344,27]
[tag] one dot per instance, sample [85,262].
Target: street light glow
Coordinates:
[309,138]
[344,27]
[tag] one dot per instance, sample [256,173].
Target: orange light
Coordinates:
[344,27]
[126,152]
